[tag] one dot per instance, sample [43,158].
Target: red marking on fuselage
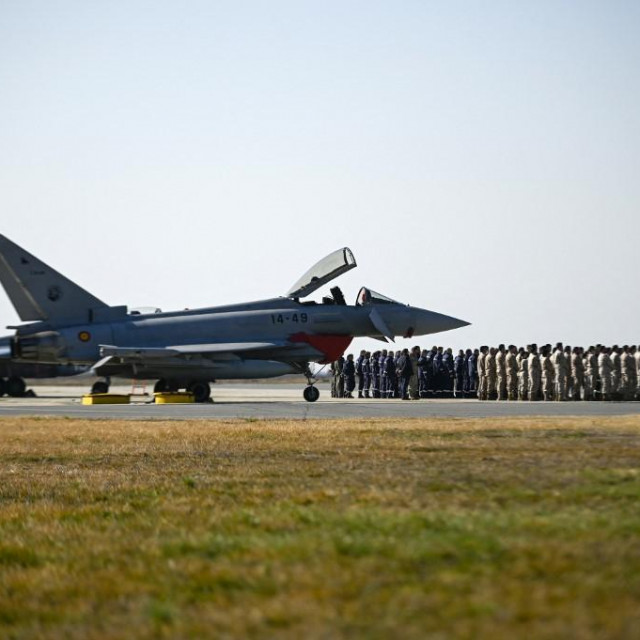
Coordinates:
[331,346]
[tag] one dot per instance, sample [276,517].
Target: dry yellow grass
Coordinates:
[376,529]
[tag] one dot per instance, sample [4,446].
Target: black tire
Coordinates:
[100,387]
[161,386]
[201,391]
[3,387]
[15,387]
[311,393]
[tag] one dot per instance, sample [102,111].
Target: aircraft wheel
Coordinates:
[100,387]
[3,387]
[161,386]
[311,393]
[15,387]
[201,391]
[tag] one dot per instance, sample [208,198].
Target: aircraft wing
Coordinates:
[216,349]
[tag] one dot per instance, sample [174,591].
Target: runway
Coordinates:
[265,401]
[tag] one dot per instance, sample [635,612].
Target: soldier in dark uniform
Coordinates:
[349,373]
[366,374]
[458,374]
[466,385]
[447,370]
[423,364]
[382,385]
[359,373]
[403,373]
[390,375]
[437,370]
[375,374]
[472,371]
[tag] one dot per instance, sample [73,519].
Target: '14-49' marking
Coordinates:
[294,317]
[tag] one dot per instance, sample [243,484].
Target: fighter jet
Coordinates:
[192,348]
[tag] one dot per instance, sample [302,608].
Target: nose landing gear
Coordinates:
[311,393]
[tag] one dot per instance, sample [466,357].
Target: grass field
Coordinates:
[488,528]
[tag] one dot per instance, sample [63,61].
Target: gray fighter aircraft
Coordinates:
[189,349]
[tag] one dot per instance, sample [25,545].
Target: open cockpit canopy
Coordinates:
[367,297]
[327,269]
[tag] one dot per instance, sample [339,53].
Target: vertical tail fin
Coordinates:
[39,292]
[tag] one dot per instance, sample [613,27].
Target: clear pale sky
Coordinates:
[481,159]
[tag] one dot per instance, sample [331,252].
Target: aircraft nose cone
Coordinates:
[433,322]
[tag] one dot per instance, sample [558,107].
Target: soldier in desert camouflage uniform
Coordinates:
[605,369]
[548,375]
[501,372]
[491,373]
[523,376]
[535,373]
[511,363]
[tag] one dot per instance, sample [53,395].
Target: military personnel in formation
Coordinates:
[491,374]
[548,374]
[523,376]
[403,373]
[424,367]
[337,379]
[627,374]
[390,375]
[590,361]
[577,374]
[459,368]
[616,369]
[511,364]
[414,391]
[605,370]
[360,373]
[501,372]
[561,373]
[482,373]
[535,372]
[569,384]
[349,373]
[374,365]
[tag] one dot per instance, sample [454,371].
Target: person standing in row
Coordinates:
[548,373]
[482,373]
[535,372]
[577,374]
[491,373]
[560,373]
[605,369]
[349,372]
[501,373]
[523,376]
[511,364]
[414,391]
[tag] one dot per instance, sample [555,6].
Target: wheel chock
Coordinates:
[173,397]
[105,398]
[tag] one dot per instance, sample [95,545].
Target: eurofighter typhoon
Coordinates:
[189,349]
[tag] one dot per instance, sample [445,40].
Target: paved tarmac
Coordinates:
[285,401]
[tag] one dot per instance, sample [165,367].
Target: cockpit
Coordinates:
[368,297]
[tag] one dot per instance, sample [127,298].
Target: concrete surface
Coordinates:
[266,400]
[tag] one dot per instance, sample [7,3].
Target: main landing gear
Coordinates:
[101,386]
[201,390]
